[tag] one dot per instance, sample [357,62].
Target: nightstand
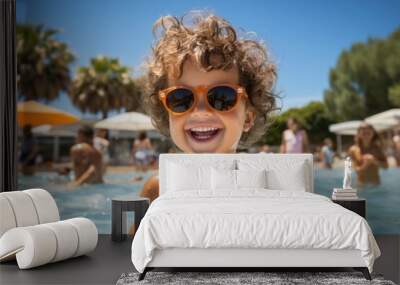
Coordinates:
[120,206]
[358,206]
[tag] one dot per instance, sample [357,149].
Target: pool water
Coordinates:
[94,201]
[383,201]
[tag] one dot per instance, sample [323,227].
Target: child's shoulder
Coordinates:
[152,180]
[151,188]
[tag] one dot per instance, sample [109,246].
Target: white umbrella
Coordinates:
[56,131]
[69,130]
[346,128]
[131,121]
[381,122]
[385,120]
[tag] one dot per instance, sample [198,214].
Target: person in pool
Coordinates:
[86,159]
[209,90]
[327,155]
[367,155]
[29,151]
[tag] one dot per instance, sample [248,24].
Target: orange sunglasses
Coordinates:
[179,100]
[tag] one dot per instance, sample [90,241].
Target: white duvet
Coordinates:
[253,218]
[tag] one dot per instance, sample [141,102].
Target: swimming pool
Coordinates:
[94,201]
[90,201]
[383,201]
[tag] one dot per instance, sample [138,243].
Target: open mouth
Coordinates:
[203,134]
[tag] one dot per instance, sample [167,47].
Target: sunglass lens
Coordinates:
[180,100]
[222,98]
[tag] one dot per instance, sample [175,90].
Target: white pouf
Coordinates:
[31,233]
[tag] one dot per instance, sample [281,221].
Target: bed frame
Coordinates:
[248,259]
[261,259]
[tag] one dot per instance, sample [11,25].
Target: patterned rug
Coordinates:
[230,278]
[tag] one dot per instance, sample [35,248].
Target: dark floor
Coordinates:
[102,266]
[111,259]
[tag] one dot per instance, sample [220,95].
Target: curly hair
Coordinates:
[201,35]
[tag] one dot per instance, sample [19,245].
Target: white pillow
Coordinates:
[185,174]
[223,179]
[251,178]
[184,177]
[227,179]
[293,181]
[282,174]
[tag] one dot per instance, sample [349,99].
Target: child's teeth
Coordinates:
[203,129]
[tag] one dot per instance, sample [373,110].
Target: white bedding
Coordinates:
[252,218]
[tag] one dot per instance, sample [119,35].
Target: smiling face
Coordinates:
[203,130]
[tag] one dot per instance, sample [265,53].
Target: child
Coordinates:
[209,90]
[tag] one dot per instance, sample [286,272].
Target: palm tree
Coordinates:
[133,102]
[102,86]
[42,63]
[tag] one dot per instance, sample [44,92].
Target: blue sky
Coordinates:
[304,37]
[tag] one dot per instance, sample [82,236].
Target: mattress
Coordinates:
[250,219]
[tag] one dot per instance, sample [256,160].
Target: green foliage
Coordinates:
[104,85]
[313,117]
[133,102]
[42,63]
[394,95]
[362,82]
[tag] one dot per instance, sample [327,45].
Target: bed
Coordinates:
[245,211]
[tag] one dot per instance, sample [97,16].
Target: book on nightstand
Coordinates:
[344,194]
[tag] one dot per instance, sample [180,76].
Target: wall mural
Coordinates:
[99,101]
